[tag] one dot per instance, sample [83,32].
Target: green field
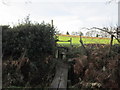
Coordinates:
[86,40]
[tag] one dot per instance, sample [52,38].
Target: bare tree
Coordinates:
[92,33]
[7,2]
[111,1]
[77,33]
[111,31]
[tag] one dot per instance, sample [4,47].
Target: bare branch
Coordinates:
[4,2]
[110,1]
[106,30]
[87,53]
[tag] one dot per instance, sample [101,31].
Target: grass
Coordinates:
[86,40]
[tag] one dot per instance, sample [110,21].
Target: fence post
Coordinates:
[111,42]
[71,42]
[52,23]
[56,54]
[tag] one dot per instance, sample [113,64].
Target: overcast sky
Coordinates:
[68,15]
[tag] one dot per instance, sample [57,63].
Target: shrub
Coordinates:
[35,39]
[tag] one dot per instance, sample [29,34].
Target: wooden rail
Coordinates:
[60,79]
[70,41]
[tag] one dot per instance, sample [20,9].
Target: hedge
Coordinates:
[36,39]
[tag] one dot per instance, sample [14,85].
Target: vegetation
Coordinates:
[67,33]
[28,51]
[97,70]
[86,40]
[77,33]
[29,57]
[34,39]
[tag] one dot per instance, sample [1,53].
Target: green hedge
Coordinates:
[37,39]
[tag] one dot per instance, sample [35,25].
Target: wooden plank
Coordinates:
[56,80]
[64,41]
[60,79]
[63,83]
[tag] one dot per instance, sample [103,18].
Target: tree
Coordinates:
[112,31]
[80,33]
[97,35]
[104,34]
[67,33]
[110,1]
[89,34]
[35,38]
[73,33]
[77,33]
[92,33]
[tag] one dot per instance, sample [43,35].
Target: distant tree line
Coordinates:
[90,33]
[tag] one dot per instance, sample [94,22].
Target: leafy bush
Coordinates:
[35,39]
[37,43]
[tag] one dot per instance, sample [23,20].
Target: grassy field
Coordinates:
[86,40]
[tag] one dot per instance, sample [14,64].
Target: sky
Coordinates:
[68,15]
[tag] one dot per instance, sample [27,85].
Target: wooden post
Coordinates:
[86,51]
[71,42]
[117,32]
[56,54]
[52,23]
[111,41]
[63,55]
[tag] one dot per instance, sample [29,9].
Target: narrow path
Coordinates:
[60,79]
